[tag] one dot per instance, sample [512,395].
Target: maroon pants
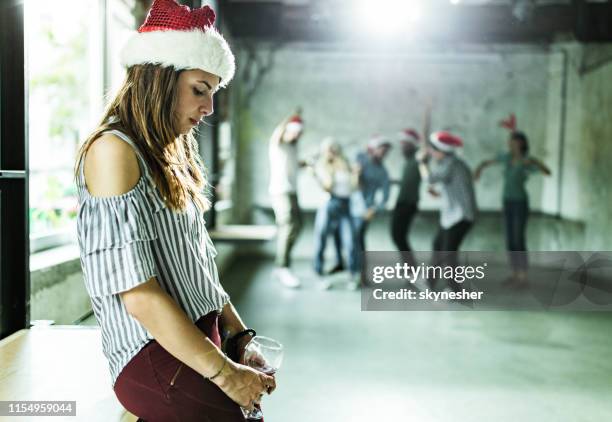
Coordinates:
[155,386]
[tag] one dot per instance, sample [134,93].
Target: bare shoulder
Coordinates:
[111,167]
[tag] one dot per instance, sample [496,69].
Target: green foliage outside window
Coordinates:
[59,100]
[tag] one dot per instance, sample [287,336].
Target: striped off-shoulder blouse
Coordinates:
[127,239]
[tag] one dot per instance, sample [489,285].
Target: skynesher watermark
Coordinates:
[406,294]
[487,281]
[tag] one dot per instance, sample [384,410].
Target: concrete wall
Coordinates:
[351,95]
[561,94]
[583,192]
[596,151]
[57,291]
[562,192]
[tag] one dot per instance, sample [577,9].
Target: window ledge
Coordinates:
[53,239]
[53,257]
[50,266]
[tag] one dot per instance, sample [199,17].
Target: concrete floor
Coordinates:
[344,365]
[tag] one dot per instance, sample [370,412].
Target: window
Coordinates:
[225,174]
[64,55]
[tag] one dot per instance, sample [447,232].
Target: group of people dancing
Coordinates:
[344,214]
[357,192]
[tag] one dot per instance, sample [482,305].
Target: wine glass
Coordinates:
[264,355]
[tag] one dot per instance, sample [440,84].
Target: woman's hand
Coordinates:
[256,361]
[244,385]
[242,343]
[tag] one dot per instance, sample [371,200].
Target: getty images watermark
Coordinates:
[580,281]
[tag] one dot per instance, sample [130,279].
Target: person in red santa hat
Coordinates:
[406,205]
[284,166]
[458,209]
[148,261]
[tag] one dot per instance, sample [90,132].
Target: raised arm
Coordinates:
[427,123]
[277,135]
[422,154]
[539,165]
[483,165]
[422,158]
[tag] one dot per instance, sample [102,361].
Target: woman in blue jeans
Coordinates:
[518,165]
[335,176]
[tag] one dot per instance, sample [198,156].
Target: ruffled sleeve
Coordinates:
[115,238]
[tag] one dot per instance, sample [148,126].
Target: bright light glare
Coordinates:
[387,17]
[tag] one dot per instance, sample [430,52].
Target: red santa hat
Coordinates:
[509,123]
[175,35]
[445,141]
[410,136]
[295,124]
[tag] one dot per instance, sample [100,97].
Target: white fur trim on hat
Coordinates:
[443,146]
[193,49]
[293,127]
[439,145]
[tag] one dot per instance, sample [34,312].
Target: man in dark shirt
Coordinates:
[407,201]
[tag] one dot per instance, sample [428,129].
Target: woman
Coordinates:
[147,259]
[335,176]
[518,165]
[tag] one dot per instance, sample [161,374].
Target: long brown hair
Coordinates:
[144,109]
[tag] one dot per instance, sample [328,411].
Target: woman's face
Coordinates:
[381,151]
[515,147]
[195,97]
[436,154]
[408,149]
[331,153]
